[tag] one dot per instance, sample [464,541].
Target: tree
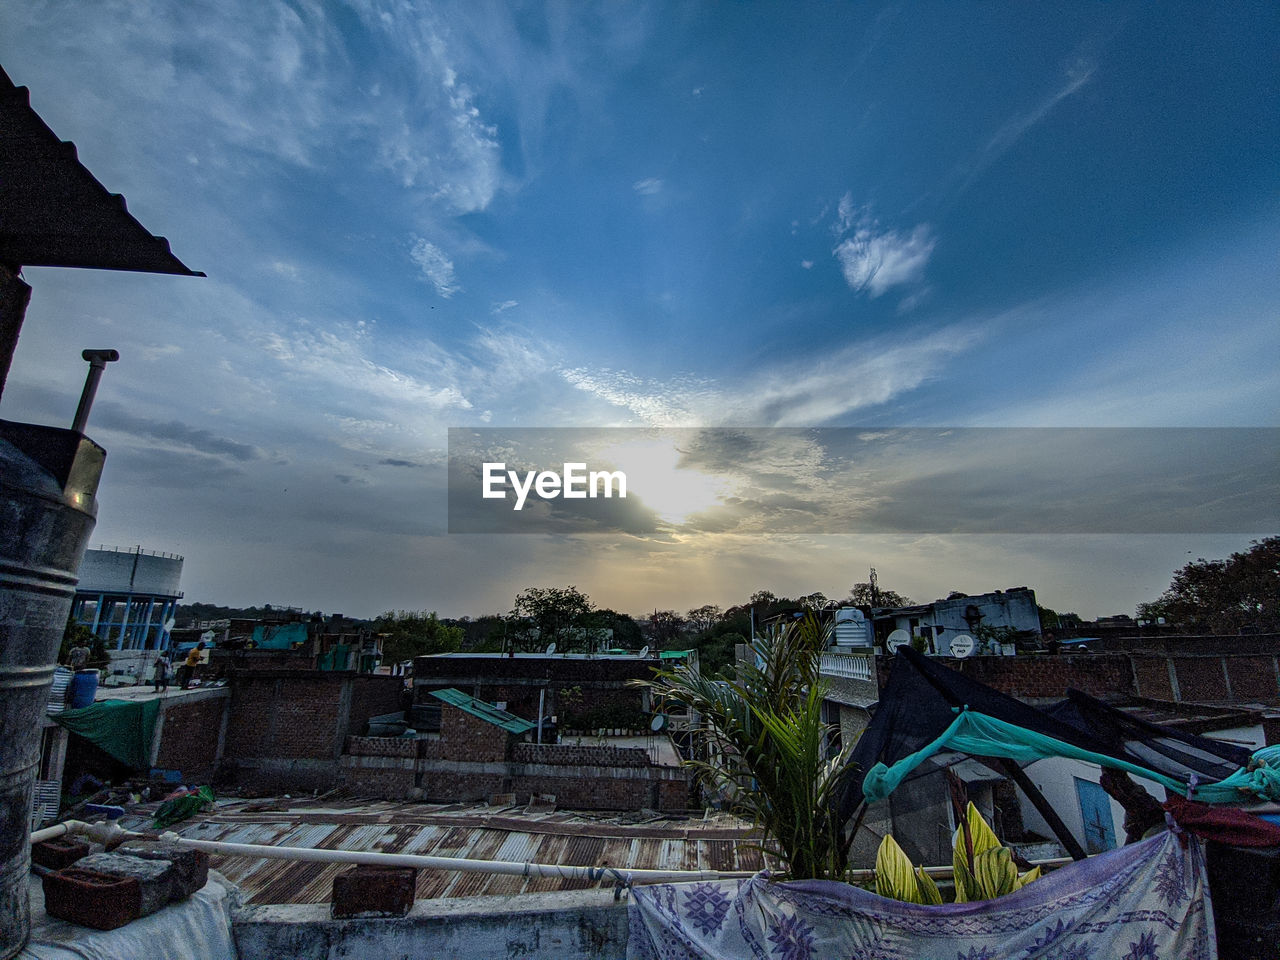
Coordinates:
[415,633]
[557,615]
[702,619]
[1239,594]
[861,595]
[817,601]
[665,629]
[770,759]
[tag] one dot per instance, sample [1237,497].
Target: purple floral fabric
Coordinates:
[1147,901]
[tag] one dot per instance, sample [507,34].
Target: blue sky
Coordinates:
[421,216]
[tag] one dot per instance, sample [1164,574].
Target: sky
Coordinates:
[417,217]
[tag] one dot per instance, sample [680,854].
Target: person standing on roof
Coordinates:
[78,656]
[162,671]
[189,665]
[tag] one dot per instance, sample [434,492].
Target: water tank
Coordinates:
[48,478]
[852,629]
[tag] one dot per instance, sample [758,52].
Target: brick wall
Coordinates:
[287,727]
[1226,677]
[592,756]
[374,695]
[382,747]
[467,738]
[188,734]
[1041,677]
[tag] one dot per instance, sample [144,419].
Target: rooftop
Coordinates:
[627,841]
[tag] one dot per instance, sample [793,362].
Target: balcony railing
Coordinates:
[853,666]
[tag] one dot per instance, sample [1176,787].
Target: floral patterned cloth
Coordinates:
[1147,901]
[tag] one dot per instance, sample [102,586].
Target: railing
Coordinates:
[852,666]
[138,550]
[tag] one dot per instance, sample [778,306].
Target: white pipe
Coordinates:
[111,830]
[506,868]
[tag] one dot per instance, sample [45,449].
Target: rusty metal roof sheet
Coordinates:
[54,212]
[564,837]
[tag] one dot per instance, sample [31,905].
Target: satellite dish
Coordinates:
[551,648]
[168,625]
[644,652]
[962,645]
[659,722]
[897,639]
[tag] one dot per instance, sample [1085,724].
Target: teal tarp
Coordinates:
[122,728]
[980,735]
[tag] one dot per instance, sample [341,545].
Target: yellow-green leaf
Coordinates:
[984,838]
[1025,878]
[929,892]
[895,876]
[994,872]
[966,889]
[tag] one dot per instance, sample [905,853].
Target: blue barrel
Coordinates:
[48,479]
[84,687]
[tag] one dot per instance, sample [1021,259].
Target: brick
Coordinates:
[190,867]
[154,877]
[367,891]
[91,899]
[59,852]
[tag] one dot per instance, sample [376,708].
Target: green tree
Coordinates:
[1241,593]
[559,615]
[665,629]
[414,633]
[861,595]
[702,619]
[769,756]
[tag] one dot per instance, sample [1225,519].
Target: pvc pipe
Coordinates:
[108,832]
[505,868]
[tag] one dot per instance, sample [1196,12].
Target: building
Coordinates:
[1001,615]
[126,596]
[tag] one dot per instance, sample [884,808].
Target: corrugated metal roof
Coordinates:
[54,212]
[577,839]
[485,711]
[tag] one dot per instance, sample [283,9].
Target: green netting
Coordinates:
[983,736]
[122,728]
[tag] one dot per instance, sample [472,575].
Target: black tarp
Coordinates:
[918,704]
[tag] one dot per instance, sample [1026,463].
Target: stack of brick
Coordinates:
[108,890]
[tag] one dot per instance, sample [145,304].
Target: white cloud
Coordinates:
[647,187]
[875,260]
[1076,76]
[437,267]
[806,264]
[504,306]
[862,375]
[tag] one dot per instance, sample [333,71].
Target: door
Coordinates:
[1095,814]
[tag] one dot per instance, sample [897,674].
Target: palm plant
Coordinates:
[769,757]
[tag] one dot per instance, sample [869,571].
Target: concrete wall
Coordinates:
[568,925]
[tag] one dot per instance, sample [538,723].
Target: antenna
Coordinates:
[897,639]
[659,722]
[644,651]
[962,645]
[551,648]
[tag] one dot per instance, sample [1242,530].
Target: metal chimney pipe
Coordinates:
[98,360]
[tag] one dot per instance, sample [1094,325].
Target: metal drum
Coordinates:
[48,478]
